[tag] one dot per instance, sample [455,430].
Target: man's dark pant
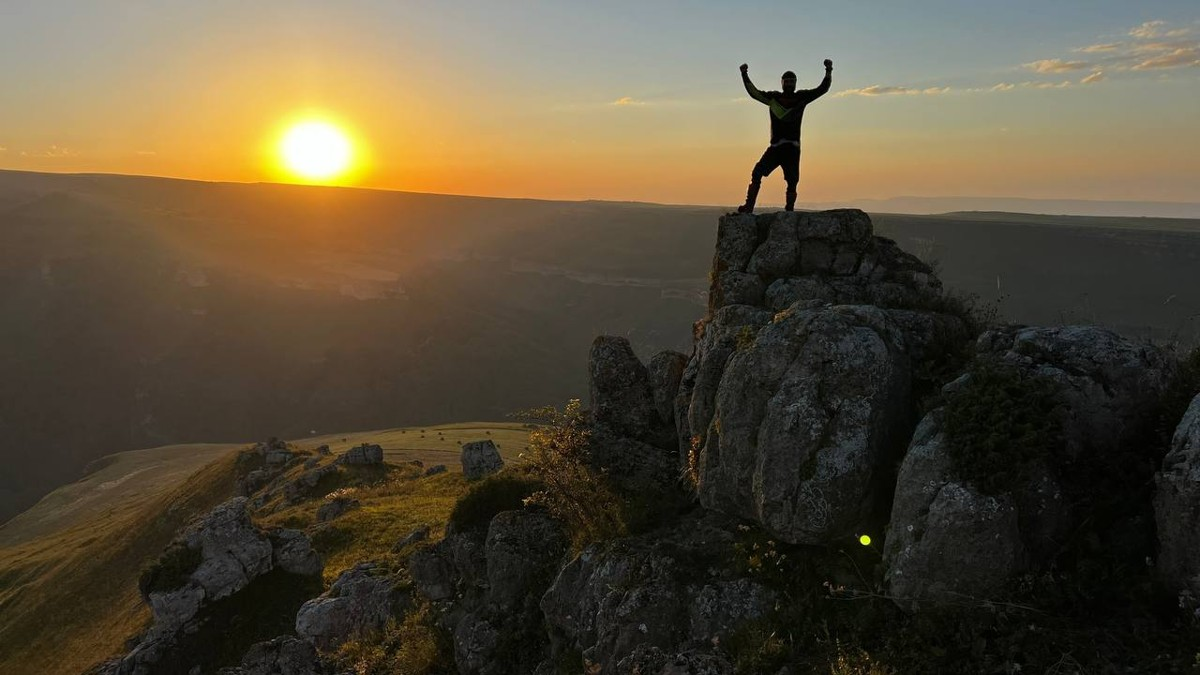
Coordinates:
[785,156]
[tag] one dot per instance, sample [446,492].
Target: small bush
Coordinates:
[171,570]
[572,491]
[504,491]
[1000,421]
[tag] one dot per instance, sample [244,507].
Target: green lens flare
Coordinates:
[865,540]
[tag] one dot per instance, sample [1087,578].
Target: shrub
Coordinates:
[573,491]
[504,491]
[171,570]
[998,422]
[411,647]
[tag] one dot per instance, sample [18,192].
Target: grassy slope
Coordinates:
[69,566]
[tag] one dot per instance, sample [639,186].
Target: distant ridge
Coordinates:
[1056,207]
[36,182]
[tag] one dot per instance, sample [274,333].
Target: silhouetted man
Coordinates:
[787,110]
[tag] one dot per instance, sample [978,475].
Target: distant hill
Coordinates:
[1062,207]
[147,311]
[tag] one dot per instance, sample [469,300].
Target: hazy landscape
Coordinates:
[144,311]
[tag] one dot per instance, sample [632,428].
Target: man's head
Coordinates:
[788,80]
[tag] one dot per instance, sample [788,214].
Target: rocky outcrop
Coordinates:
[362,598]
[292,552]
[214,559]
[421,533]
[798,397]
[1177,507]
[480,458]
[632,431]
[620,392]
[366,454]
[285,655]
[523,551]
[952,538]
[805,416]
[231,552]
[649,590]
[336,507]
[646,660]
[435,470]
[774,260]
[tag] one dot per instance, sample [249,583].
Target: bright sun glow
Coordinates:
[316,151]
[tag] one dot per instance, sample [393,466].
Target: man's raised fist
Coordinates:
[744,67]
[828,63]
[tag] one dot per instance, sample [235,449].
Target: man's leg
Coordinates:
[766,164]
[791,175]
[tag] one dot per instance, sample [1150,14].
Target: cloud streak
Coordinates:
[628,100]
[53,151]
[1056,66]
[878,90]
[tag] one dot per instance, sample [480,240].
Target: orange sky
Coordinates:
[446,100]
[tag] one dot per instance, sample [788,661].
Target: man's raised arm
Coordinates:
[751,89]
[814,94]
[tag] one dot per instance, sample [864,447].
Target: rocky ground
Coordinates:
[850,473]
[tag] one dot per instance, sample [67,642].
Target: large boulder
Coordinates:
[621,395]
[285,655]
[956,532]
[336,507]
[523,550]
[365,454]
[292,552]
[666,371]
[810,412]
[480,458]
[215,557]
[653,591]
[362,599]
[1177,507]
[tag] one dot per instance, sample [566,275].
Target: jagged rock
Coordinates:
[299,488]
[621,396]
[647,660]
[421,533]
[292,552]
[323,450]
[778,259]
[365,454]
[808,414]
[254,481]
[480,458]
[1177,507]
[361,599]
[666,371]
[718,339]
[632,464]
[720,607]
[232,552]
[435,470]
[417,463]
[639,590]
[1108,383]
[523,549]
[454,567]
[312,462]
[949,539]
[475,641]
[285,655]
[335,508]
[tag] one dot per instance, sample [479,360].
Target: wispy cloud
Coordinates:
[628,100]
[877,90]
[51,152]
[1093,78]
[1157,29]
[1100,48]
[1184,56]
[1056,66]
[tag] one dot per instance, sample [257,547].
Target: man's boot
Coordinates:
[791,201]
[751,195]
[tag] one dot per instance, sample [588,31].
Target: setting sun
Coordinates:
[316,151]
